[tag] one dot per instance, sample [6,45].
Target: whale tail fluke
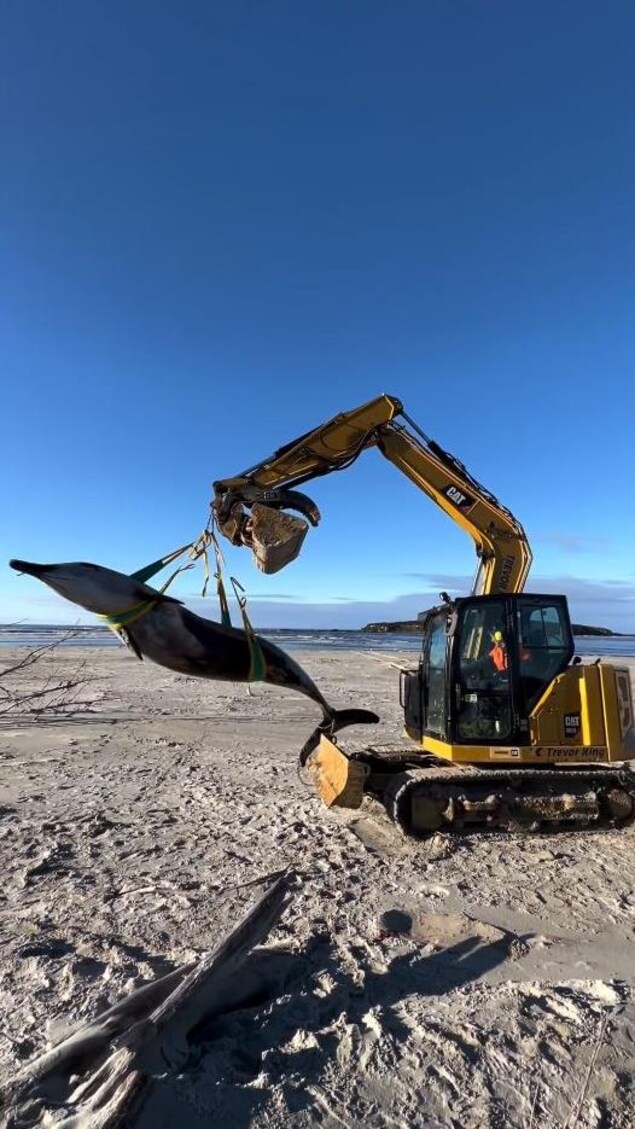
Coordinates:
[332,723]
[342,718]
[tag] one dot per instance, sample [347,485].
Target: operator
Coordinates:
[498,653]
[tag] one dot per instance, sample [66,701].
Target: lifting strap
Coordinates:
[257,660]
[117,622]
[195,550]
[146,573]
[225,616]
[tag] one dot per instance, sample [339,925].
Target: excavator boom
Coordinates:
[270,488]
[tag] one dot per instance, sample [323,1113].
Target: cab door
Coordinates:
[484,665]
[435,678]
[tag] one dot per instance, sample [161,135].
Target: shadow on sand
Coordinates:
[289,1022]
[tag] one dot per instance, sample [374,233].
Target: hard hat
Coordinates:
[497,636]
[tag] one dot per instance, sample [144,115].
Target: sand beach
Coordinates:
[476,981]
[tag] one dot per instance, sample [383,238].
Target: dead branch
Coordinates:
[34,654]
[51,697]
[88,1040]
[127,1046]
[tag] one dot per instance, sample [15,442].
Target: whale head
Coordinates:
[92,587]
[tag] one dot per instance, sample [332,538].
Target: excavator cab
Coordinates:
[485,663]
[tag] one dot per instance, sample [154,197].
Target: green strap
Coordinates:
[146,573]
[196,549]
[257,660]
[225,616]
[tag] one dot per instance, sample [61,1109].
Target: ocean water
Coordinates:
[36,635]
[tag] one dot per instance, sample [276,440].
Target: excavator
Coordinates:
[508,727]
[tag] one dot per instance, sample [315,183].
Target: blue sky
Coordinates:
[222,224]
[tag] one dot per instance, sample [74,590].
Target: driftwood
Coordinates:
[117,1055]
[50,697]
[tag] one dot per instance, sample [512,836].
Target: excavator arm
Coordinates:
[269,490]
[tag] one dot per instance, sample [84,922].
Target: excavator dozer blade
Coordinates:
[338,780]
[276,538]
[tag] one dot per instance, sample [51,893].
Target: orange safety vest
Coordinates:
[498,655]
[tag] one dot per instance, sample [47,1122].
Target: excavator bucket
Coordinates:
[337,779]
[275,537]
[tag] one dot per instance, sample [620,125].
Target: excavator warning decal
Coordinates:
[463,502]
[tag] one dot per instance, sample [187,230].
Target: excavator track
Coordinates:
[422,801]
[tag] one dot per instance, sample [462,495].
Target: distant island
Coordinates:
[414,627]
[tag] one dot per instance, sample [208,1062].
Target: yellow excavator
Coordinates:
[511,728]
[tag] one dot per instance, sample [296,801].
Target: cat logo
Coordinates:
[571,724]
[463,502]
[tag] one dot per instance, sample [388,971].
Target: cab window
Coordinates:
[544,646]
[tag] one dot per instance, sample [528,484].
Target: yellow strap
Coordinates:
[200,549]
[124,619]
[225,615]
